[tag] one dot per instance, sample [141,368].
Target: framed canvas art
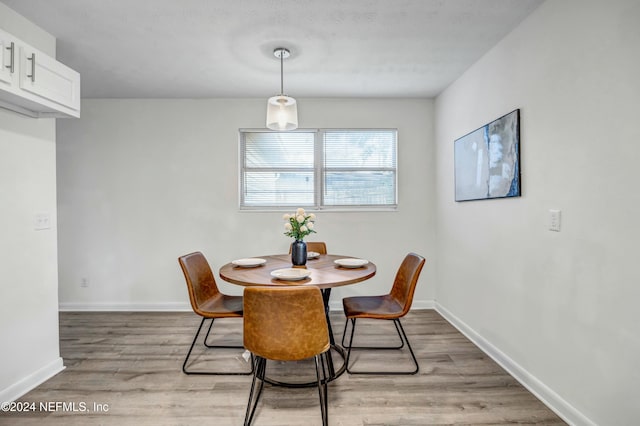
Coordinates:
[487,160]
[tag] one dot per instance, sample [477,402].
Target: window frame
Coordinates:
[319,172]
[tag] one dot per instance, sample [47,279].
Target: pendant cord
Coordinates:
[281,72]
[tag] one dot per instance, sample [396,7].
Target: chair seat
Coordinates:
[378,307]
[221,306]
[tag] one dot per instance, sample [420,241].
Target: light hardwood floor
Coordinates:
[131,363]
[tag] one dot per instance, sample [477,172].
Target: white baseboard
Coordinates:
[545,394]
[423,304]
[142,307]
[31,381]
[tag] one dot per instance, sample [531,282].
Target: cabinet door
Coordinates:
[8,58]
[42,75]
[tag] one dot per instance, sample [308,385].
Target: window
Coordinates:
[318,168]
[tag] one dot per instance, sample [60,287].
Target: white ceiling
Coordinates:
[218,48]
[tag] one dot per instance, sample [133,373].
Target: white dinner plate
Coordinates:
[351,263]
[312,255]
[249,262]
[291,274]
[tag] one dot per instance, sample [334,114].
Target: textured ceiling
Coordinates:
[216,48]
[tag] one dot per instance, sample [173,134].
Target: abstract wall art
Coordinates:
[487,160]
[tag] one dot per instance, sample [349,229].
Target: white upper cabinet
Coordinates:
[44,76]
[35,84]
[8,59]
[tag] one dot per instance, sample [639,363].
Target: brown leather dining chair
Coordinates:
[208,302]
[317,246]
[392,306]
[285,324]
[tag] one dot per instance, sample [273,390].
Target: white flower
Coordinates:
[299,224]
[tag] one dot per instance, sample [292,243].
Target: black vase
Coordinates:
[299,253]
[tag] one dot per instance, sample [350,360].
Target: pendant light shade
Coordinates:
[282,110]
[282,113]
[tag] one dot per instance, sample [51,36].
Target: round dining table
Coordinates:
[323,272]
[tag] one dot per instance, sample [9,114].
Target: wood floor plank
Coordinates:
[130,363]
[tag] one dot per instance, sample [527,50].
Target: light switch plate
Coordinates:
[554,220]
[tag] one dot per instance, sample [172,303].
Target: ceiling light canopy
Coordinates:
[282,110]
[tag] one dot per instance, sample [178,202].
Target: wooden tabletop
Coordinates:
[324,272]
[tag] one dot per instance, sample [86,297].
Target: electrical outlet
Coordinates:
[41,221]
[554,220]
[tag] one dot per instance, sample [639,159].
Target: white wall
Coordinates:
[560,308]
[28,264]
[142,182]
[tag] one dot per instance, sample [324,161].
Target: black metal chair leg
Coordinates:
[403,337]
[406,339]
[344,333]
[327,356]
[353,329]
[186,359]
[259,373]
[322,387]
[210,373]
[218,346]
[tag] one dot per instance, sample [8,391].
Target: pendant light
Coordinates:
[282,110]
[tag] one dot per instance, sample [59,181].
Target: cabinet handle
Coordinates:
[12,57]
[33,67]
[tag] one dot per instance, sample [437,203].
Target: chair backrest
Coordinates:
[285,323]
[200,281]
[317,246]
[406,279]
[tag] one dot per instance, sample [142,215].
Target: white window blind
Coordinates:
[319,169]
[278,169]
[359,168]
